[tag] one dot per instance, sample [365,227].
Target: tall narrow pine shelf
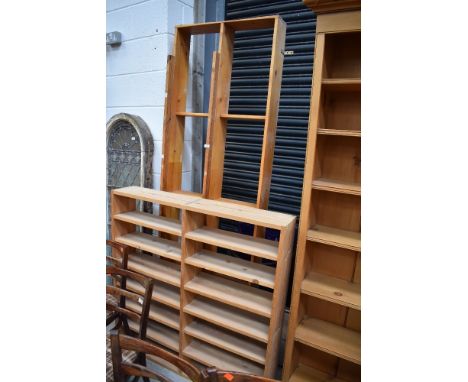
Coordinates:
[324,340]
[209,306]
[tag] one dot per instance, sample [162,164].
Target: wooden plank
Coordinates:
[296,314]
[330,338]
[324,6]
[272,108]
[158,223]
[155,245]
[189,114]
[243,117]
[336,237]
[241,24]
[343,133]
[231,293]
[341,84]
[172,199]
[162,293]
[158,313]
[332,185]
[254,273]
[160,334]
[222,339]
[339,22]
[219,208]
[157,269]
[266,249]
[304,373]
[229,318]
[332,289]
[212,356]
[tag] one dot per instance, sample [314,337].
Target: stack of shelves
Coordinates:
[210,307]
[324,340]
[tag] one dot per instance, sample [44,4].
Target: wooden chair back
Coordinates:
[120,291]
[122,369]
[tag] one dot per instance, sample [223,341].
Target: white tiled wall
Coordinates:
[136,70]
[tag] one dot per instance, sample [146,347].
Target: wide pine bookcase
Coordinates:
[324,339]
[209,306]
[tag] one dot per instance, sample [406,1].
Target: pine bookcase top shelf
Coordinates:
[218,208]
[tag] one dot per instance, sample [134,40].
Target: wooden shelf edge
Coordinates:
[332,289]
[330,185]
[158,223]
[155,245]
[341,133]
[244,117]
[330,338]
[335,237]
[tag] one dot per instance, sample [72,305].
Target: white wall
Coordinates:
[136,70]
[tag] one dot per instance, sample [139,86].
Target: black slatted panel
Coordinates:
[252,53]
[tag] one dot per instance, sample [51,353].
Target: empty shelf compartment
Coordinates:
[332,289]
[158,223]
[212,356]
[157,269]
[330,338]
[232,293]
[228,341]
[241,269]
[149,243]
[305,373]
[159,313]
[160,334]
[230,318]
[267,249]
[336,237]
[162,293]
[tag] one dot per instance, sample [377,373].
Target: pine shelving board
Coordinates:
[158,312]
[254,273]
[332,289]
[214,306]
[332,185]
[336,237]
[244,117]
[330,338]
[190,114]
[235,241]
[342,84]
[212,356]
[222,339]
[157,269]
[162,293]
[342,133]
[160,334]
[305,373]
[230,318]
[156,245]
[158,223]
[232,293]
[323,340]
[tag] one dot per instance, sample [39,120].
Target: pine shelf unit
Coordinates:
[324,340]
[221,309]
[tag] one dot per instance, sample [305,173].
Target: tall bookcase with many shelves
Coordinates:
[324,341]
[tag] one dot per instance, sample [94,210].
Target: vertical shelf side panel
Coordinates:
[190,221]
[283,266]
[299,272]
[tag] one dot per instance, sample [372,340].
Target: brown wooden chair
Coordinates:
[121,314]
[121,261]
[125,368]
